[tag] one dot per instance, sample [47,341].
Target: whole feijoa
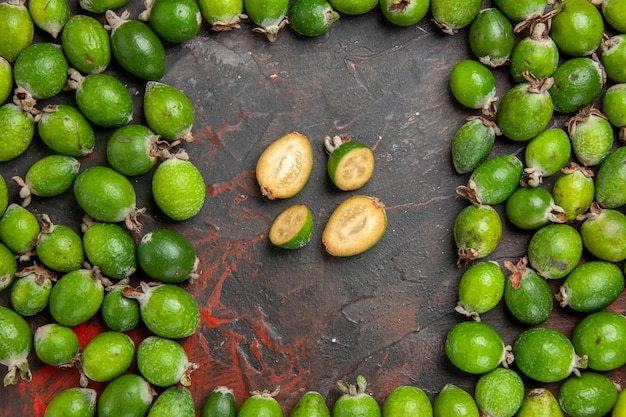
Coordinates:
[109,247]
[311,404]
[49,16]
[174,21]
[8,267]
[222,15]
[73,402]
[132,150]
[65,130]
[49,176]
[452,16]
[610,181]
[577,28]
[174,401]
[106,356]
[81,284]
[167,256]
[167,309]
[545,155]
[591,286]
[614,107]
[527,296]
[473,143]
[31,290]
[537,54]
[601,336]
[107,196]
[522,10]
[120,313]
[540,402]
[477,232]
[128,395]
[41,70]
[494,180]
[354,400]
[17,129]
[473,85]
[164,362]
[499,393]
[454,401]
[591,394]
[6,79]
[178,188]
[577,83]
[136,47]
[19,229]
[221,402]
[614,12]
[591,135]
[315,17]
[480,288]
[604,233]
[17,28]
[613,56]
[554,250]
[491,37]
[270,16]
[475,347]
[531,208]
[407,401]
[168,112]
[86,44]
[15,345]
[574,190]
[56,345]
[59,247]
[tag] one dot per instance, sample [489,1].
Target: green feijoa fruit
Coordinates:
[350,7]
[591,286]
[73,402]
[402,13]
[41,70]
[475,347]
[167,256]
[167,309]
[610,182]
[174,401]
[473,143]
[577,28]
[222,15]
[480,288]
[261,404]
[6,79]
[136,47]
[537,54]
[168,112]
[354,400]
[269,16]
[311,404]
[601,336]
[292,228]
[4,195]
[477,232]
[519,11]
[554,250]
[545,155]
[106,356]
[284,167]
[109,247]
[574,190]
[65,130]
[31,291]
[589,395]
[540,402]
[19,229]
[614,107]
[499,393]
[8,267]
[50,176]
[164,362]
[491,37]
[355,225]
[614,11]
[577,83]
[59,247]
[613,56]
[473,85]
[525,110]
[102,99]
[620,406]
[546,355]
[531,208]
[17,129]
[128,395]
[49,15]
[591,135]
[132,150]
[17,28]
[121,314]
[178,188]
[494,180]
[604,233]
[15,345]
[350,164]
[452,16]
[56,345]
[221,402]
[453,401]
[101,6]
[174,21]
[527,296]
[407,401]
[107,196]
[81,284]
[86,44]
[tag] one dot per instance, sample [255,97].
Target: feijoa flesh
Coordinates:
[350,164]
[292,228]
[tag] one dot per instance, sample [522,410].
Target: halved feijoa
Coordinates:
[350,164]
[292,228]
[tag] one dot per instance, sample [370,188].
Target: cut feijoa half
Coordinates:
[350,163]
[292,228]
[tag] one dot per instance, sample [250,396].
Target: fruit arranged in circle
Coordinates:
[221,402]
[73,402]
[86,44]
[80,284]
[15,345]
[477,231]
[164,362]
[109,247]
[292,228]
[475,347]
[106,356]
[354,400]
[41,70]
[17,28]
[56,345]
[269,16]
[473,85]
[174,21]
[167,256]
[350,163]
[168,111]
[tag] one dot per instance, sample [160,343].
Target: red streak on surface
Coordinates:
[243,182]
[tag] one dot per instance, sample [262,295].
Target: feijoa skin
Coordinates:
[354,400]
[19,229]
[6,79]
[614,13]
[601,336]
[610,181]
[8,267]
[292,228]
[545,355]
[269,15]
[614,107]
[491,37]
[17,27]
[604,233]
[120,314]
[106,356]
[49,16]
[540,402]
[167,256]
[174,401]
[15,345]
[527,296]
[525,110]
[477,232]
[555,250]
[133,150]
[453,401]
[545,155]
[536,54]
[65,130]
[31,290]
[520,11]
[73,402]
[56,345]
[452,16]
[578,28]
[475,347]
[222,15]
[261,403]
[480,288]
[402,14]
[168,112]
[311,404]
[494,180]
[472,143]
[407,401]
[80,284]
[591,135]
[574,191]
[591,286]
[164,362]
[17,129]
[473,85]
[589,395]
[531,208]
[101,6]
[620,405]
[50,176]
[41,70]
[86,44]
[577,83]
[613,56]
[111,248]
[350,163]
[221,402]
[59,247]
[499,393]
[128,395]
[174,21]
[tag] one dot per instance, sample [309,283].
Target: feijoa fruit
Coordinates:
[56,345]
[475,347]
[591,286]
[15,345]
[164,362]
[477,231]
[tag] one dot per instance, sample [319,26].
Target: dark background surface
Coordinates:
[302,319]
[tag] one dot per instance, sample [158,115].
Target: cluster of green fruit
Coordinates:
[564,67]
